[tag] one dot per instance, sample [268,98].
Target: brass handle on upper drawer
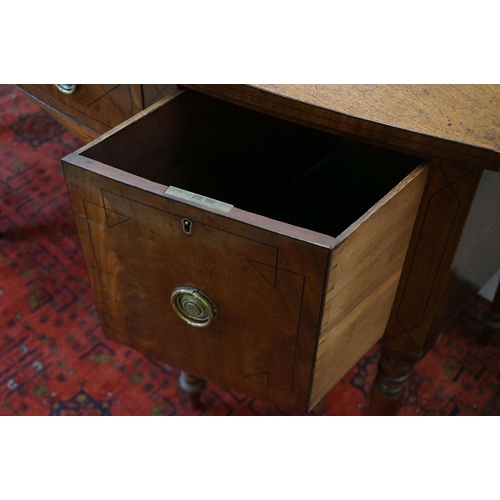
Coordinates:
[193,307]
[66,88]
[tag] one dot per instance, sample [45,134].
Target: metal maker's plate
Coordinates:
[198,198]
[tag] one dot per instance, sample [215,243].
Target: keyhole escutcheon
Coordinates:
[186,226]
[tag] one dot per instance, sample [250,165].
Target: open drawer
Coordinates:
[242,248]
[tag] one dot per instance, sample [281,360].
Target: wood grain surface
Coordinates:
[438,229]
[98,106]
[457,124]
[153,93]
[267,287]
[467,114]
[363,278]
[93,109]
[477,256]
[82,130]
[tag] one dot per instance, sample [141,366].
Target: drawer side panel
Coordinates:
[363,277]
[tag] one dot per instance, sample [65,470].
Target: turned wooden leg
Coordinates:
[394,369]
[193,386]
[491,320]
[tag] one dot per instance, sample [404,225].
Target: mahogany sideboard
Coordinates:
[267,236]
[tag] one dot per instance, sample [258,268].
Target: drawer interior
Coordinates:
[258,163]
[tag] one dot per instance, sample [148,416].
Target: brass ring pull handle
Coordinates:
[193,307]
[66,88]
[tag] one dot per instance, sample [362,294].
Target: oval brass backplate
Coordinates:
[193,306]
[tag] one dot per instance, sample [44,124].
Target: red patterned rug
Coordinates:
[55,360]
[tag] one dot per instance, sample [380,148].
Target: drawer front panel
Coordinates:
[99,107]
[108,104]
[267,287]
